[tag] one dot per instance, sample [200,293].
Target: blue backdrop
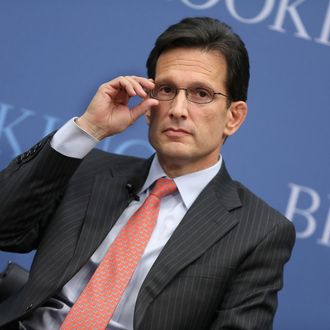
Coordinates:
[54,54]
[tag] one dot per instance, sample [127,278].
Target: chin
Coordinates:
[175,153]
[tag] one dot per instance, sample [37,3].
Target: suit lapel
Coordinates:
[109,198]
[207,221]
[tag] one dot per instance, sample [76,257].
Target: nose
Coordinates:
[179,105]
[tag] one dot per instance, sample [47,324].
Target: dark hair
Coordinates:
[211,35]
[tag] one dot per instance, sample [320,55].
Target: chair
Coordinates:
[12,279]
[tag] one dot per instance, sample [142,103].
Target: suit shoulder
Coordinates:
[100,155]
[98,161]
[259,206]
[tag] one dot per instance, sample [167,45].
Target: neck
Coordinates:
[177,168]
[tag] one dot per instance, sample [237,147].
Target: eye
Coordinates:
[202,93]
[165,89]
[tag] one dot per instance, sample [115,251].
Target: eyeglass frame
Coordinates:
[187,90]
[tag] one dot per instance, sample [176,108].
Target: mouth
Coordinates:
[176,132]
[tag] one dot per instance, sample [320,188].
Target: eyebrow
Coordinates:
[192,85]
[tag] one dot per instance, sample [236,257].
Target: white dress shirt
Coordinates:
[70,140]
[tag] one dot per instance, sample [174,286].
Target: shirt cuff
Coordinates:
[72,141]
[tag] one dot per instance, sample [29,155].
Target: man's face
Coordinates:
[188,136]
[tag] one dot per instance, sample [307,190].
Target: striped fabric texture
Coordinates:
[97,303]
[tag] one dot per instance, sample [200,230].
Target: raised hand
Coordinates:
[109,114]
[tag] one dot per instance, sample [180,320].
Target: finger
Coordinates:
[145,82]
[119,84]
[141,85]
[127,85]
[131,85]
[139,90]
[142,108]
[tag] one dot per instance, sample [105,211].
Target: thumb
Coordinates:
[142,108]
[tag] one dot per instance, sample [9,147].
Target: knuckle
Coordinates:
[102,86]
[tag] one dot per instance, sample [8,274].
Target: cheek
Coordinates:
[158,118]
[155,122]
[211,121]
[158,112]
[210,127]
[154,114]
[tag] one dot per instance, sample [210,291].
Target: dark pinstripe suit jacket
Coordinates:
[221,269]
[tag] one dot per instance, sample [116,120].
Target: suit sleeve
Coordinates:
[251,299]
[31,187]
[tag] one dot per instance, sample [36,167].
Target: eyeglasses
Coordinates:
[200,95]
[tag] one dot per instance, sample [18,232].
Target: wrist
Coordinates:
[91,129]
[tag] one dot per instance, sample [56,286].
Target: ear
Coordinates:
[147,116]
[236,114]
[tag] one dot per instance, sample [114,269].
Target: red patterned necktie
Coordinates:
[96,304]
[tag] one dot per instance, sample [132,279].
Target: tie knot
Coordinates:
[163,187]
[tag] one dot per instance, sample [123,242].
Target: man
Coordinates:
[214,258]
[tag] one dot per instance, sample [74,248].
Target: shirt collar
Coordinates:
[189,185]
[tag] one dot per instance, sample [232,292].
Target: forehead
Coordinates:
[182,65]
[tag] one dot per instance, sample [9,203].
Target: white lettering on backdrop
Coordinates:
[287,9]
[303,203]
[13,121]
